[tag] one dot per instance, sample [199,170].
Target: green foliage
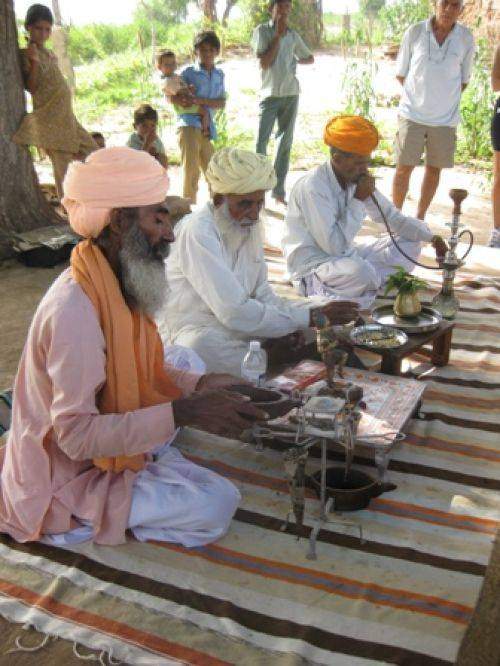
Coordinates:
[404,282]
[161,11]
[98,40]
[120,79]
[238,32]
[222,140]
[371,7]
[360,98]
[476,107]
[228,136]
[398,16]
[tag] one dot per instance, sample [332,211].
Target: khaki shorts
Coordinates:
[438,142]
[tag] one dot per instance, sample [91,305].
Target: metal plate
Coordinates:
[367,336]
[428,319]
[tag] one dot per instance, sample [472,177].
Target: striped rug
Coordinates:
[405,596]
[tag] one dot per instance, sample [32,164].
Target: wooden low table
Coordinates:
[439,354]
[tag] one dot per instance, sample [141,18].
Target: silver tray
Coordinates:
[357,334]
[428,320]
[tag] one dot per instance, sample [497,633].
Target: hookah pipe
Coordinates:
[445,302]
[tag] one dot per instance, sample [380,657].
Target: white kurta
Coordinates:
[219,296]
[320,245]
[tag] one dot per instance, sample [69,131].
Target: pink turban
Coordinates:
[111,178]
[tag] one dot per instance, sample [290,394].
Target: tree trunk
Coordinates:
[209,9]
[309,19]
[346,24]
[22,205]
[229,5]
[57,12]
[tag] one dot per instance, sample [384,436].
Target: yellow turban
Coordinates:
[111,178]
[352,134]
[234,171]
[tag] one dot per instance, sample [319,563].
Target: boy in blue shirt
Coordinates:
[207,81]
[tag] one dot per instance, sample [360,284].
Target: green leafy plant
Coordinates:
[404,282]
[360,98]
[400,15]
[477,103]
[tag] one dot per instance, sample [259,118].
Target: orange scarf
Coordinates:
[135,375]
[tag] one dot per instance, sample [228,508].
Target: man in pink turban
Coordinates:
[88,455]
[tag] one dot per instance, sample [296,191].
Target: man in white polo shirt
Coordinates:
[434,66]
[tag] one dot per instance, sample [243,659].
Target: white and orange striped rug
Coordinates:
[403,597]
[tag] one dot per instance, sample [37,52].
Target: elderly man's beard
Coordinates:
[143,271]
[236,232]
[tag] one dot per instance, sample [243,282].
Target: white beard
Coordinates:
[235,232]
[142,272]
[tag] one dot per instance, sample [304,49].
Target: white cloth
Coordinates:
[359,278]
[433,74]
[184,358]
[219,297]
[322,222]
[173,499]
[178,501]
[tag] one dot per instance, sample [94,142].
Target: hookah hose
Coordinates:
[400,249]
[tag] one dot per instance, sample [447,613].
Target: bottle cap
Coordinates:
[254,345]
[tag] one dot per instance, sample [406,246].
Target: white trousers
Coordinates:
[175,500]
[172,500]
[359,276]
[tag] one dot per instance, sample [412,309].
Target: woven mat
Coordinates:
[406,596]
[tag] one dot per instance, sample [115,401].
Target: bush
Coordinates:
[397,17]
[96,41]
[120,79]
[476,108]
[360,98]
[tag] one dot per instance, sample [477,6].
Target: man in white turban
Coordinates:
[219,297]
[95,408]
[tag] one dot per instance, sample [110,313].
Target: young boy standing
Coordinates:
[209,92]
[279,50]
[145,136]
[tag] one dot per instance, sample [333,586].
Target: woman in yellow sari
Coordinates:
[52,126]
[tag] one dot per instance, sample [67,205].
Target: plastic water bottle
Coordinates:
[254,365]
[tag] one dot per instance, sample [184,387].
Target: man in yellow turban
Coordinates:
[219,297]
[95,408]
[326,212]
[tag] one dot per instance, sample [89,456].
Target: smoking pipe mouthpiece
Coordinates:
[457,196]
